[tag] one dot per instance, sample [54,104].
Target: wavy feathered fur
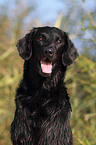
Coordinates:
[42,115]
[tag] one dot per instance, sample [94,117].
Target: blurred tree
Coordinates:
[81,25]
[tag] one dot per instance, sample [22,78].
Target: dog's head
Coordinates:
[49,46]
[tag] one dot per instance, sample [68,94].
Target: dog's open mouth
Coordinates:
[46,66]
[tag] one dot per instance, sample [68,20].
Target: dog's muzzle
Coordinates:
[46,63]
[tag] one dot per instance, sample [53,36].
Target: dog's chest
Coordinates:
[52,131]
[48,117]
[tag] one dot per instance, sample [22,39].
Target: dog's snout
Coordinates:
[49,52]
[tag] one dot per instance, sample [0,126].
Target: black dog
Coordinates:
[42,103]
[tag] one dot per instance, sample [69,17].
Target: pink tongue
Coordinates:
[46,68]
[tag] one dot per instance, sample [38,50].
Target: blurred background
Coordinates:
[78,18]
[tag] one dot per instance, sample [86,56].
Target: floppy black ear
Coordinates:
[24,45]
[70,53]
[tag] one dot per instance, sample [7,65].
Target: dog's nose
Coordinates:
[49,52]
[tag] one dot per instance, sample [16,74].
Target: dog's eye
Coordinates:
[58,41]
[40,39]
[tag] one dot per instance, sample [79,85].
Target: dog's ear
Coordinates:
[70,53]
[24,45]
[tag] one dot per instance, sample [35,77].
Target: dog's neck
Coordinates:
[54,81]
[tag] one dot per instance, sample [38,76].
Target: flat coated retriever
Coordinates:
[42,115]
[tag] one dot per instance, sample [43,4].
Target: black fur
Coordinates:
[42,115]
